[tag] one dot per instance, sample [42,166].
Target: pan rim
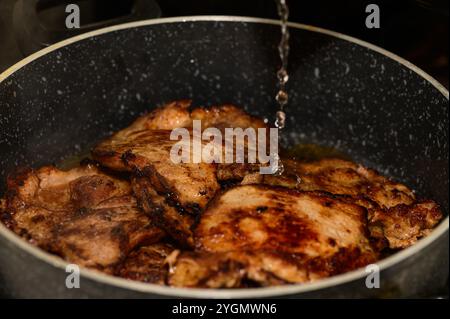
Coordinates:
[215,293]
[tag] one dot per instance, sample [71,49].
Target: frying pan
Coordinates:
[376,107]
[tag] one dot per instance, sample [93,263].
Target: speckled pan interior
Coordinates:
[341,95]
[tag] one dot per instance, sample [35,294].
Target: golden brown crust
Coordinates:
[403,225]
[181,189]
[147,264]
[340,177]
[226,116]
[83,215]
[271,235]
[256,268]
[318,219]
[174,192]
[279,219]
[383,198]
[171,217]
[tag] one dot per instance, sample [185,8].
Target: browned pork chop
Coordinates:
[172,192]
[175,193]
[271,235]
[384,199]
[147,264]
[339,177]
[240,228]
[180,113]
[234,269]
[402,225]
[83,215]
[169,215]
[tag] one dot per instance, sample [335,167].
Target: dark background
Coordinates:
[414,29]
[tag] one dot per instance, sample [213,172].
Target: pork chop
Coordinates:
[85,216]
[147,264]
[384,199]
[175,193]
[271,235]
[182,189]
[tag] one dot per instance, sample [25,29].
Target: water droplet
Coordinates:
[282,98]
[282,76]
[299,181]
[280,169]
[280,119]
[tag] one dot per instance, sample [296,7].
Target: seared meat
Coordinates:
[166,213]
[232,226]
[147,264]
[344,177]
[147,154]
[265,233]
[180,114]
[226,116]
[402,225]
[260,217]
[190,269]
[384,199]
[238,269]
[173,192]
[340,177]
[182,189]
[83,215]
[170,116]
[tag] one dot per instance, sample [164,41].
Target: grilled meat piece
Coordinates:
[261,217]
[206,270]
[167,214]
[395,216]
[256,268]
[83,215]
[345,177]
[237,269]
[179,113]
[173,192]
[340,177]
[316,220]
[226,116]
[271,235]
[402,225]
[147,264]
[147,154]
[171,115]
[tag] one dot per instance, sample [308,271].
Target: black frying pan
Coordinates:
[376,107]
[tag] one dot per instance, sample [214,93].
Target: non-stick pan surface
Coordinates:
[344,93]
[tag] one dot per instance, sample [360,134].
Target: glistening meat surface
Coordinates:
[173,193]
[83,215]
[212,225]
[270,234]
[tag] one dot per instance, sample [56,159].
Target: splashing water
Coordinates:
[282,74]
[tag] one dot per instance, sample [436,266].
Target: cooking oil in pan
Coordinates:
[311,152]
[74,160]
